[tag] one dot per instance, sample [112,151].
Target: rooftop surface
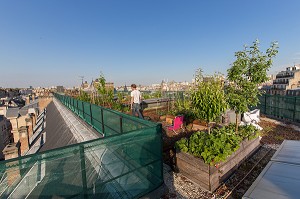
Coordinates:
[281,177]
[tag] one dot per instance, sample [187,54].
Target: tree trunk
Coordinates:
[236,123]
[208,126]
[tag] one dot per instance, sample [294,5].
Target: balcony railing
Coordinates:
[284,76]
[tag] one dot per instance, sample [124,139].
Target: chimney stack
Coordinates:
[13,172]
[24,139]
[27,100]
[29,124]
[32,96]
[33,119]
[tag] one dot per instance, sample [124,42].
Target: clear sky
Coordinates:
[53,42]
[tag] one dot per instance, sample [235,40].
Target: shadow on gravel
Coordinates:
[237,185]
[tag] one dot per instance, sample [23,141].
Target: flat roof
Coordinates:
[281,177]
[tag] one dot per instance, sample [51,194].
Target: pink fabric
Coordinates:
[177,123]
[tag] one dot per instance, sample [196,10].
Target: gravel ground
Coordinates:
[272,136]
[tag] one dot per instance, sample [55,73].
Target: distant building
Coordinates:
[60,89]
[2,93]
[84,85]
[42,92]
[5,134]
[293,92]
[26,91]
[108,85]
[286,80]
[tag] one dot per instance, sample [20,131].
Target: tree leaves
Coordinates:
[246,73]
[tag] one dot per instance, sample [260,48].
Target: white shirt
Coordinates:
[136,96]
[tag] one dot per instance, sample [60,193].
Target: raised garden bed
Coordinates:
[210,177]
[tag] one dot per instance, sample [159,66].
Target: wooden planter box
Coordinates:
[210,177]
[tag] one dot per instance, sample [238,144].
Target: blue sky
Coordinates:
[53,42]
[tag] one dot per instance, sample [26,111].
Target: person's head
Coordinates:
[133,86]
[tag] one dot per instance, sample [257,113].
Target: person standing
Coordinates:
[136,99]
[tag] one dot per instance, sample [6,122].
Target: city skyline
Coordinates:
[144,42]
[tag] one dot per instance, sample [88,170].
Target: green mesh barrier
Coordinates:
[283,107]
[126,163]
[124,166]
[106,121]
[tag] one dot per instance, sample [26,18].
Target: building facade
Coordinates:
[5,134]
[286,80]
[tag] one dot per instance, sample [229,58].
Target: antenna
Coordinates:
[81,77]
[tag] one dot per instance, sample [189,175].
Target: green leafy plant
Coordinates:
[106,96]
[208,98]
[216,146]
[183,106]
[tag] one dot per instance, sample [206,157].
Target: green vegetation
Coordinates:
[183,106]
[247,72]
[83,96]
[106,96]
[218,145]
[208,98]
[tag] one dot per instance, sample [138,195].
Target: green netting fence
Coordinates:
[106,121]
[283,107]
[125,164]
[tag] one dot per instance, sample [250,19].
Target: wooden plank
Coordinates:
[184,166]
[209,177]
[200,183]
[239,157]
[197,162]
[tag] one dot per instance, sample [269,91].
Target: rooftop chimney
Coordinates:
[27,100]
[29,124]
[13,172]
[24,139]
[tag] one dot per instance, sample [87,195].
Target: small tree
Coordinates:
[105,95]
[83,96]
[208,98]
[247,71]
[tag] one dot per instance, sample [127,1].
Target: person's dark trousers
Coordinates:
[136,110]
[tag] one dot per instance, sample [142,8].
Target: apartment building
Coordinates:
[286,80]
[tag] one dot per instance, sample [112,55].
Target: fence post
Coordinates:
[102,120]
[91,114]
[83,170]
[82,110]
[265,104]
[77,107]
[121,124]
[294,112]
